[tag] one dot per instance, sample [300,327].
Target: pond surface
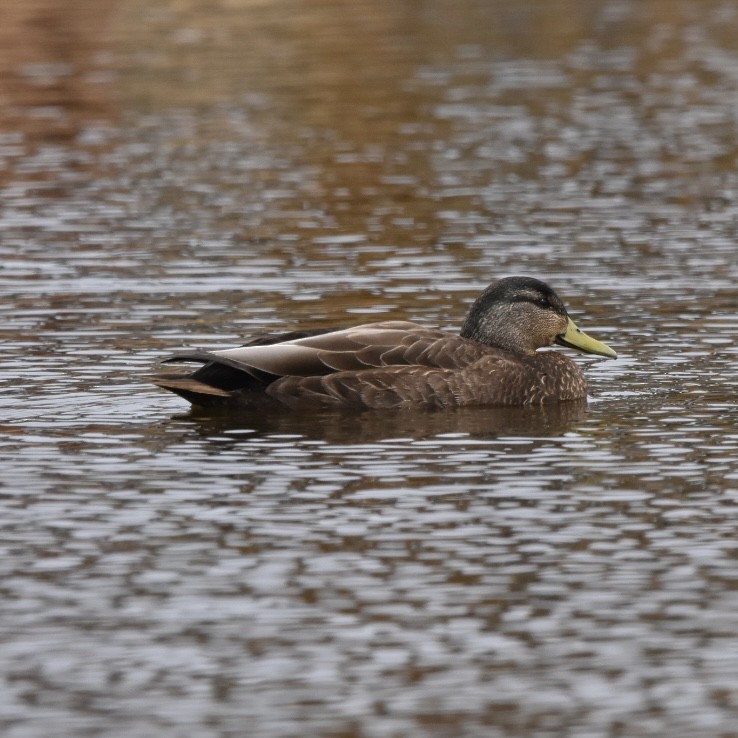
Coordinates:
[188,173]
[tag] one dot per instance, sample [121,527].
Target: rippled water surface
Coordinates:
[179,173]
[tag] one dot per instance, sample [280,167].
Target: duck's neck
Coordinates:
[493,330]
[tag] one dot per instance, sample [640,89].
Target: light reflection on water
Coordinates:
[563,571]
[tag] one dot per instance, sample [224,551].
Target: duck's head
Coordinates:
[522,314]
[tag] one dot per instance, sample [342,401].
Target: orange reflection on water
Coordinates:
[54,62]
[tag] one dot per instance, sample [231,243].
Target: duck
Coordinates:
[495,360]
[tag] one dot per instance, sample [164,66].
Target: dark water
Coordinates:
[188,173]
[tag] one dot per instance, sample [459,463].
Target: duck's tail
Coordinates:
[196,393]
[218,382]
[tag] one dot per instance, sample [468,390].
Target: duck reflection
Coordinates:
[353,427]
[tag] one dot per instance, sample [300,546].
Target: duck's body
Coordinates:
[397,364]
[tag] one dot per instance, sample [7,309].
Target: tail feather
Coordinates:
[191,390]
[221,371]
[218,381]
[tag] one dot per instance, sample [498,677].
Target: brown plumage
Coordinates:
[393,364]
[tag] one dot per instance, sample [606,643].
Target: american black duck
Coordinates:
[393,364]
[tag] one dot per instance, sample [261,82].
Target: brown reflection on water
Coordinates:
[55,67]
[353,94]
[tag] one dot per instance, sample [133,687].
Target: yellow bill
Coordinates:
[574,338]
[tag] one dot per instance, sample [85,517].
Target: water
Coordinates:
[178,174]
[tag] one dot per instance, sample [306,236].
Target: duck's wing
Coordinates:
[266,339]
[254,367]
[391,343]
